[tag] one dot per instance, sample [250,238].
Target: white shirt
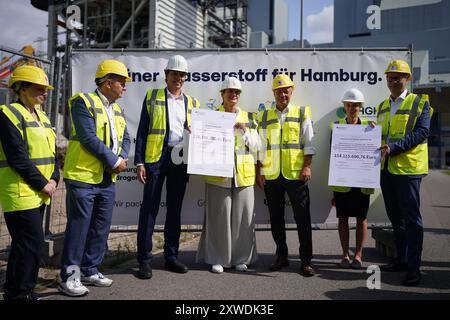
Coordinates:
[110,112]
[177,117]
[396,104]
[307,130]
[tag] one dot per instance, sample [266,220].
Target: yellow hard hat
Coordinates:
[29,74]
[398,66]
[282,81]
[112,66]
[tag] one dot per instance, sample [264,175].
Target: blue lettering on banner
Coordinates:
[261,75]
[258,75]
[341,76]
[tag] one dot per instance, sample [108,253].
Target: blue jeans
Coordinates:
[89,214]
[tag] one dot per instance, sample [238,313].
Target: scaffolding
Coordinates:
[150,24]
[226,23]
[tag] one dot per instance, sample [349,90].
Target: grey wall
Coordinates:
[280,22]
[426,27]
[259,18]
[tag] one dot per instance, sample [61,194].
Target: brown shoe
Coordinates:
[307,270]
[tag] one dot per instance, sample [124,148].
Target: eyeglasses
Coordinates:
[353,106]
[231,91]
[122,83]
[394,79]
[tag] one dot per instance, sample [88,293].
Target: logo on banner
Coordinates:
[340,113]
[211,104]
[365,111]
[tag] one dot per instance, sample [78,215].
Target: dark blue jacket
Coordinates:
[86,132]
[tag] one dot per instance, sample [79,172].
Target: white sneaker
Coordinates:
[241,267]
[98,280]
[73,288]
[217,268]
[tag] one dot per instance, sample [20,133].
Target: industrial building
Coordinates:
[167,23]
[424,24]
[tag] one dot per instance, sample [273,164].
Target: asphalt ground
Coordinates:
[330,281]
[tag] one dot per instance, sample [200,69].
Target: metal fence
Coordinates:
[9,60]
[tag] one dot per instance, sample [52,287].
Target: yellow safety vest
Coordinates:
[15,193]
[80,164]
[415,160]
[347,189]
[156,107]
[244,158]
[288,139]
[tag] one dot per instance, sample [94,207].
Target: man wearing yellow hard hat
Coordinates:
[98,148]
[405,120]
[29,174]
[285,166]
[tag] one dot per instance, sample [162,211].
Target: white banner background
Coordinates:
[314,86]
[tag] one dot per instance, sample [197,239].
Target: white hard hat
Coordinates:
[177,63]
[231,83]
[353,95]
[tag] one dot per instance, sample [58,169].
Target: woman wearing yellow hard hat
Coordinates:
[29,176]
[228,235]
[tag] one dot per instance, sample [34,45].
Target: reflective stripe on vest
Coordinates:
[347,189]
[156,108]
[15,193]
[80,164]
[415,160]
[283,145]
[244,158]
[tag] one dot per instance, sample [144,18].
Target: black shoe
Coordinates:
[307,270]
[412,278]
[278,264]
[394,267]
[175,266]
[145,272]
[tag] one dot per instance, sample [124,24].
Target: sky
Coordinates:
[24,24]
[317,20]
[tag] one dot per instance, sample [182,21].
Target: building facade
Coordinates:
[424,25]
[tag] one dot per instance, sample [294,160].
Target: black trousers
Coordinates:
[298,193]
[27,238]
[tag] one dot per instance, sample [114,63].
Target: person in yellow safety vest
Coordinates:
[228,233]
[163,128]
[405,120]
[29,174]
[98,149]
[352,202]
[284,165]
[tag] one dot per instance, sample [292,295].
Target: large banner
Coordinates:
[321,77]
